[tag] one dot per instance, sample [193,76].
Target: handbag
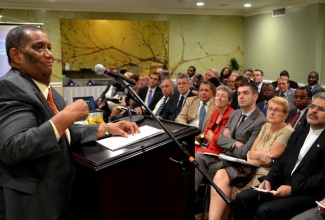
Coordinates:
[239,174]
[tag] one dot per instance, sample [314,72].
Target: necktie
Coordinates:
[56,111]
[179,107]
[202,114]
[295,119]
[265,108]
[282,95]
[161,106]
[150,96]
[51,102]
[242,119]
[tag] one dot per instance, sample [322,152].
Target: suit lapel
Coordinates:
[314,149]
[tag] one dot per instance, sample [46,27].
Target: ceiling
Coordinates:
[211,7]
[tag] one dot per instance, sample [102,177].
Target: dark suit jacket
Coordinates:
[171,107]
[316,89]
[309,177]
[155,98]
[246,132]
[109,84]
[302,121]
[36,170]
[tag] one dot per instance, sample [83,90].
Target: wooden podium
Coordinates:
[136,182]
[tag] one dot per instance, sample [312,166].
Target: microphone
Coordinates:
[102,71]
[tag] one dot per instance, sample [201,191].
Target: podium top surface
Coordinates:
[97,157]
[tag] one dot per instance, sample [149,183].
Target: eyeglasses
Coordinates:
[183,83]
[319,108]
[274,109]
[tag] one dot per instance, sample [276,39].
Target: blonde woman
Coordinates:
[267,148]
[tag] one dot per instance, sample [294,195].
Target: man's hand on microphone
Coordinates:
[119,128]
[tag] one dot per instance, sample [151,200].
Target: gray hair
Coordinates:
[182,76]
[226,89]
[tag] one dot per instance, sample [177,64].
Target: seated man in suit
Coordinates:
[238,135]
[297,116]
[197,110]
[238,81]
[313,78]
[293,84]
[177,100]
[316,213]
[150,94]
[285,91]
[167,87]
[268,92]
[143,80]
[297,177]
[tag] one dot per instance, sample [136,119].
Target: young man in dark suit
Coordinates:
[150,94]
[298,177]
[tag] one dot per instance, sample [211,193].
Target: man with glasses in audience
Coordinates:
[177,100]
[258,79]
[297,178]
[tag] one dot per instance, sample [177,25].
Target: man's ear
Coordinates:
[15,55]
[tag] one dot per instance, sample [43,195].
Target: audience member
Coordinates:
[191,70]
[298,177]
[235,73]
[315,87]
[197,110]
[248,73]
[178,98]
[231,82]
[238,81]
[38,132]
[292,84]
[224,75]
[297,116]
[197,79]
[258,77]
[167,87]
[215,82]
[208,74]
[218,121]
[268,92]
[284,90]
[317,213]
[267,148]
[143,80]
[150,94]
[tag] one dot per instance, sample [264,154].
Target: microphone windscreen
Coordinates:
[99,69]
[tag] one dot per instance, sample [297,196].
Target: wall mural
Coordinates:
[115,44]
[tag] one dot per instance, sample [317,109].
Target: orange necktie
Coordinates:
[51,102]
[56,111]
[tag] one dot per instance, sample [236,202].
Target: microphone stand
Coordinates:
[129,91]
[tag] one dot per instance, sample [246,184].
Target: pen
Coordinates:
[268,151]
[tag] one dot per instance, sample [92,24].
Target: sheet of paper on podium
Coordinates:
[118,142]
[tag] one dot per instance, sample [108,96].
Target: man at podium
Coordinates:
[37,132]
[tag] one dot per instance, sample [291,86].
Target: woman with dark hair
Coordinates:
[224,75]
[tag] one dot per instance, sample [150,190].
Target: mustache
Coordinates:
[312,114]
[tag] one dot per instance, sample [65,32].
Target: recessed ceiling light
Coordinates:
[200,3]
[247,5]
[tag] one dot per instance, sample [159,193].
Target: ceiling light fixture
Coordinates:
[200,3]
[248,5]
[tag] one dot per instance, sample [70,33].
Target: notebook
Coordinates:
[90,102]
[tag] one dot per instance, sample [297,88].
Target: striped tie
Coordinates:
[161,107]
[51,102]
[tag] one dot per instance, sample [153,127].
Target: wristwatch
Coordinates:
[106,130]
